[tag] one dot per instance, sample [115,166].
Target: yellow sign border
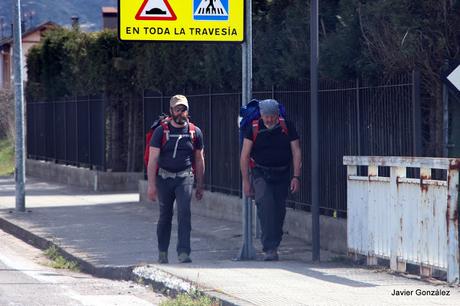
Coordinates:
[177,29]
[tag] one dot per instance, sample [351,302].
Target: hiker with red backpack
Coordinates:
[175,158]
[270,145]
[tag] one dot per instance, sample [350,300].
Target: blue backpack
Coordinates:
[250,113]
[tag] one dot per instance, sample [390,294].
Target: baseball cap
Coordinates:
[178,100]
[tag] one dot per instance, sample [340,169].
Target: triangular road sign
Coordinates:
[156,10]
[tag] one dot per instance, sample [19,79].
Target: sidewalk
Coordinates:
[112,234]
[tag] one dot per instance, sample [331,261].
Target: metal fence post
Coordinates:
[65,133]
[90,160]
[209,163]
[144,127]
[76,132]
[54,133]
[104,134]
[416,114]
[358,117]
[445,121]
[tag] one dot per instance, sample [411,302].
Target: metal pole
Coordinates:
[416,114]
[445,121]
[19,101]
[209,165]
[314,128]
[358,116]
[247,250]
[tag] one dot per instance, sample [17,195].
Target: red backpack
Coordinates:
[255,132]
[163,121]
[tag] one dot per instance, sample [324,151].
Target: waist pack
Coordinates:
[271,174]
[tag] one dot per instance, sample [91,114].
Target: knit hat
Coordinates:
[269,107]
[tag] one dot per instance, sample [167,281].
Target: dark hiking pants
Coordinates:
[180,190]
[271,191]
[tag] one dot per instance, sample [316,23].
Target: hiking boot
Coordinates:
[163,257]
[184,258]
[271,255]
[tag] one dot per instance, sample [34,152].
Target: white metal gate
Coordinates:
[405,220]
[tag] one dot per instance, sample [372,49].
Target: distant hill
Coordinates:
[59,11]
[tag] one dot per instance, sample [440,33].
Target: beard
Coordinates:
[179,119]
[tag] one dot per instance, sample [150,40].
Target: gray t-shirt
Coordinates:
[177,153]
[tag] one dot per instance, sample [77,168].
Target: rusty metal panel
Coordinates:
[453,259]
[422,229]
[399,161]
[405,219]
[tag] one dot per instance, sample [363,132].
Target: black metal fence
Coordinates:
[69,131]
[356,118]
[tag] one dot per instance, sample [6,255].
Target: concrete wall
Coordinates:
[91,179]
[333,231]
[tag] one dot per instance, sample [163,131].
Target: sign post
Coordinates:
[247,251]
[314,126]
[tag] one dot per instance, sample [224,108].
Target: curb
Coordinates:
[110,272]
[127,273]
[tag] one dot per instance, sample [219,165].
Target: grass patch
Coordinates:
[191,299]
[58,261]
[6,157]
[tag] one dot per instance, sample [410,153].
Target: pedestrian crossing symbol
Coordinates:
[155,10]
[210,9]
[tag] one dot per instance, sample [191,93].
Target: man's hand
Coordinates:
[152,193]
[295,185]
[199,193]
[248,190]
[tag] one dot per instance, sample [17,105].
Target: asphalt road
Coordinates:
[27,279]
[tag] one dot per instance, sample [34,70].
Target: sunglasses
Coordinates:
[178,109]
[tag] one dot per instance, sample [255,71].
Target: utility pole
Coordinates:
[314,124]
[19,102]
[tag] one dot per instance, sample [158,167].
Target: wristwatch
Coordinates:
[296,177]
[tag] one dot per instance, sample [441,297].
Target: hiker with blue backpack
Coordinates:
[270,145]
[175,159]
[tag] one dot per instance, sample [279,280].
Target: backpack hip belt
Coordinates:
[165,174]
[282,168]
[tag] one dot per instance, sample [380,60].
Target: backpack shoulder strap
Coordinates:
[283,125]
[255,129]
[165,125]
[192,131]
